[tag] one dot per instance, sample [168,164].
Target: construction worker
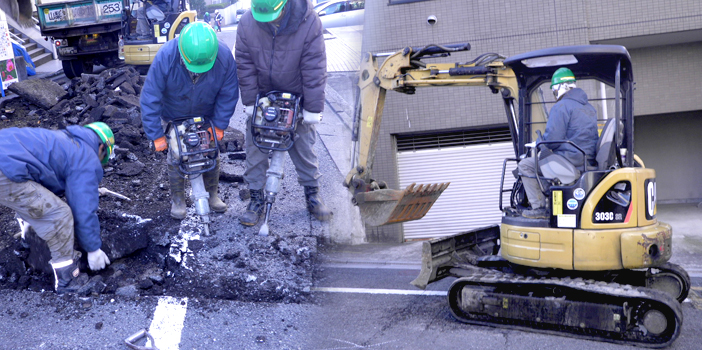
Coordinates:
[206,17]
[218,19]
[39,165]
[297,64]
[191,75]
[572,118]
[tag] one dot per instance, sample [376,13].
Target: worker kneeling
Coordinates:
[39,165]
[573,119]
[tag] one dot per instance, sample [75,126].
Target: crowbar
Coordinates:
[104,191]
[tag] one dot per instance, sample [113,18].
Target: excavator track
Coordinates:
[585,309]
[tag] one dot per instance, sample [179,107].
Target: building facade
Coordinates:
[664,39]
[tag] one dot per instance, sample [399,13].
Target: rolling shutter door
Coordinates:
[471,201]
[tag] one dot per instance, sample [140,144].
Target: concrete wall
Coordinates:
[664,38]
[671,144]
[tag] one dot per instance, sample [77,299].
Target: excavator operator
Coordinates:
[572,118]
[192,75]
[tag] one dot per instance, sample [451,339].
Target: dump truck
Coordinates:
[85,32]
[597,266]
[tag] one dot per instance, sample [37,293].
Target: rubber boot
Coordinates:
[315,204]
[254,211]
[177,184]
[211,179]
[67,277]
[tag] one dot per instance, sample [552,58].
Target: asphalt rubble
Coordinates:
[151,253]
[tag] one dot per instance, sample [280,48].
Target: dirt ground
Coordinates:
[151,253]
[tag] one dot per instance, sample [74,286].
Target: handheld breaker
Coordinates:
[273,125]
[194,148]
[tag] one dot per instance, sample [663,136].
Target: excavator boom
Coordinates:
[403,72]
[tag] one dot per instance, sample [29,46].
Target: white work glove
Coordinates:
[249,110]
[97,260]
[311,118]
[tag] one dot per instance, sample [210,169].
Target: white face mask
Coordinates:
[560,89]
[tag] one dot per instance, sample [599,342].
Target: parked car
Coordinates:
[341,13]
[239,13]
[319,5]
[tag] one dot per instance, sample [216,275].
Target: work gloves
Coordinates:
[310,117]
[219,132]
[160,144]
[307,116]
[249,110]
[97,260]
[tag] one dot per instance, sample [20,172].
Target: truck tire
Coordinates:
[74,68]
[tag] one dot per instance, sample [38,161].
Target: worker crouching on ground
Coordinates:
[38,165]
[572,118]
[297,64]
[192,75]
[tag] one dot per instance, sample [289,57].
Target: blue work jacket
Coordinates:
[169,92]
[573,118]
[66,163]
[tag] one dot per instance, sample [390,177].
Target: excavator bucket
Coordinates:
[462,250]
[386,206]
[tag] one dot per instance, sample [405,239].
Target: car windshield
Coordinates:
[319,6]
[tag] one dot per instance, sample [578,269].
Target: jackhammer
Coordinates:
[193,147]
[273,125]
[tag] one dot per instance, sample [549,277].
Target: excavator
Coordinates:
[164,24]
[598,267]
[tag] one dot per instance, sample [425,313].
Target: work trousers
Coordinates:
[50,217]
[527,168]
[302,154]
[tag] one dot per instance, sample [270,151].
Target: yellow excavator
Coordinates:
[162,21]
[597,268]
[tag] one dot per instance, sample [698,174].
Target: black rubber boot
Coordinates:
[67,277]
[315,204]
[211,179]
[254,211]
[177,184]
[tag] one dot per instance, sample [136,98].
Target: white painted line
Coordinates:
[379,291]
[167,325]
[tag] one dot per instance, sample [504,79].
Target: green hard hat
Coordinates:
[267,10]
[562,75]
[106,136]
[198,46]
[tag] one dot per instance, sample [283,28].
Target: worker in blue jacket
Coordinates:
[39,165]
[192,75]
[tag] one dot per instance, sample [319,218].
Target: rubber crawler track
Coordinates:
[597,292]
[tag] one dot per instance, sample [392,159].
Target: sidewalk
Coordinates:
[343,48]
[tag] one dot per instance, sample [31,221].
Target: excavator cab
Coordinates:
[147,25]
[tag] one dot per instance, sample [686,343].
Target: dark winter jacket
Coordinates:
[289,58]
[169,92]
[573,118]
[64,162]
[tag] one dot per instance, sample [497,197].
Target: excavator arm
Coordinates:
[403,72]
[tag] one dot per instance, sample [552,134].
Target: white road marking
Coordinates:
[379,291]
[167,325]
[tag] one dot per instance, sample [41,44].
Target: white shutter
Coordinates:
[471,201]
